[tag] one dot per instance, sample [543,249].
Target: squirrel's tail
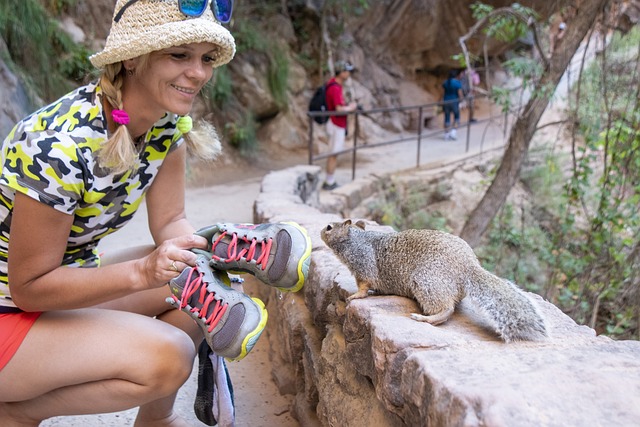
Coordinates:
[516,316]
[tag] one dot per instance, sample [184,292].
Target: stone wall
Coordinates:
[368,364]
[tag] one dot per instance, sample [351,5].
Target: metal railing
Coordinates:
[418,137]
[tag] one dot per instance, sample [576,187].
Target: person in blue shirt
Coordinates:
[451,104]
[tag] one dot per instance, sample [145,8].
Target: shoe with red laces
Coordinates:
[231,321]
[278,254]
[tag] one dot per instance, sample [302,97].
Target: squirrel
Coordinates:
[438,270]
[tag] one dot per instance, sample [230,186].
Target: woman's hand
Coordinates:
[168,260]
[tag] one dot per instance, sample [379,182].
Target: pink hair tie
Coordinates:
[120,117]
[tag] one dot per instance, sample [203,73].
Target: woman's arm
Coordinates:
[38,282]
[352,106]
[38,241]
[166,197]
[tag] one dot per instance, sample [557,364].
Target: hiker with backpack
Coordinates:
[451,104]
[337,124]
[470,79]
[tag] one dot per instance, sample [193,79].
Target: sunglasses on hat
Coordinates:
[194,8]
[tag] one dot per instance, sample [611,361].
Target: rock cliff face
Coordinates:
[400,48]
[14,99]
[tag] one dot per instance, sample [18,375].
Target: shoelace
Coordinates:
[247,253]
[205,299]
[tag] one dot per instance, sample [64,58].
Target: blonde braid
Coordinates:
[117,154]
[202,141]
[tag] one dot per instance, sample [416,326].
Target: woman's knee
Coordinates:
[170,361]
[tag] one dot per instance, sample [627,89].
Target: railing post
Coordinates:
[470,109]
[420,134]
[506,118]
[420,119]
[355,148]
[310,140]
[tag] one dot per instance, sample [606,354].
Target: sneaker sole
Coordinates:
[305,259]
[303,264]
[252,338]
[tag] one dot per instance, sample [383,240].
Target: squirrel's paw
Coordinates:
[435,319]
[360,294]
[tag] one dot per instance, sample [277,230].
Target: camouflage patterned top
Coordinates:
[51,157]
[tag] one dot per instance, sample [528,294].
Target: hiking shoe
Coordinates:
[329,187]
[278,254]
[231,321]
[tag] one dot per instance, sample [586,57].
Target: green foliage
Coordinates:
[430,221]
[44,55]
[278,76]
[546,177]
[406,208]
[352,7]
[60,6]
[618,78]
[579,244]
[600,259]
[502,97]
[508,25]
[75,64]
[459,57]
[217,92]
[249,37]
[589,253]
[505,27]
[242,136]
[528,69]
[516,249]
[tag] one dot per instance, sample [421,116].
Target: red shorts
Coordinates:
[13,329]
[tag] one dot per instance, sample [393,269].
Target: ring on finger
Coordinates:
[174,267]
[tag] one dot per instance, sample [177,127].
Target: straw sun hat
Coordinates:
[151,25]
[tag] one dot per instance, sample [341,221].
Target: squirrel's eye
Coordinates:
[329,228]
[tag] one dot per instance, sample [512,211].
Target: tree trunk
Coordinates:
[525,126]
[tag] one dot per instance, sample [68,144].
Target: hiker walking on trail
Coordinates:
[83,333]
[451,104]
[337,124]
[470,79]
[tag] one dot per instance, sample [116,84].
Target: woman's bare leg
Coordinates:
[159,411]
[93,361]
[103,361]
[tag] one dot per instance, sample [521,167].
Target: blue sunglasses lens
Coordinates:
[193,7]
[222,10]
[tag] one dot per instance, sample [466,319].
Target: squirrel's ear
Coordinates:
[360,224]
[347,222]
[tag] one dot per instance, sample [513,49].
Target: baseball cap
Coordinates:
[341,66]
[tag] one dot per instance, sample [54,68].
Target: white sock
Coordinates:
[330,179]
